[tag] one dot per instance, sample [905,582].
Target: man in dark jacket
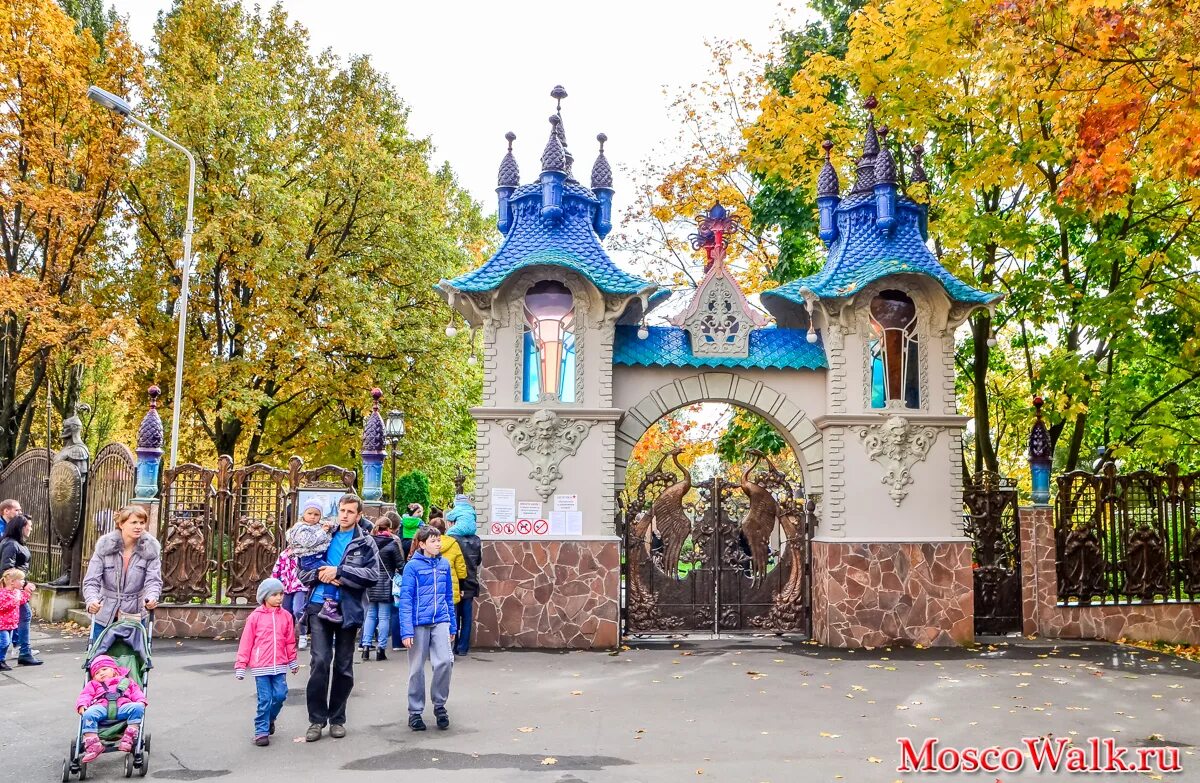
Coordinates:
[351,567]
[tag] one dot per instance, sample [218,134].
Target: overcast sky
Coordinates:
[472,70]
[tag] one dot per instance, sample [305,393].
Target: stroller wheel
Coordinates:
[144,767]
[128,765]
[66,770]
[83,771]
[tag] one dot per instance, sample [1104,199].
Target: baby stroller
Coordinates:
[128,642]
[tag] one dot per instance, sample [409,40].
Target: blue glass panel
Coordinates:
[912,381]
[878,394]
[531,388]
[568,368]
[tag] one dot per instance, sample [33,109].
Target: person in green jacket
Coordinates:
[412,519]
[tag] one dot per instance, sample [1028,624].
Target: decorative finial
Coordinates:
[602,176]
[372,442]
[1040,455]
[510,173]
[554,157]
[918,168]
[150,431]
[885,163]
[558,93]
[827,180]
[871,103]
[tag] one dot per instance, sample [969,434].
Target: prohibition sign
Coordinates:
[541,527]
[497,528]
[524,527]
[508,528]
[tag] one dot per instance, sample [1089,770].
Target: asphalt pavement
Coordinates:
[758,709]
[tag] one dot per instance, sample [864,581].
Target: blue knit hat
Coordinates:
[267,588]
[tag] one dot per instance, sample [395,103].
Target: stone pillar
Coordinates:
[1039,577]
[876,593]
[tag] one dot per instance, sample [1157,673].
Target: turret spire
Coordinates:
[554,157]
[602,176]
[866,164]
[510,174]
[827,180]
[885,162]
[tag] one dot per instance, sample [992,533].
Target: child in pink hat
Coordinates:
[111,695]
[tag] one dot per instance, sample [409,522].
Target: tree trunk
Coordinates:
[1076,442]
[985,453]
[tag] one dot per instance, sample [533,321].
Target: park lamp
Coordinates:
[122,107]
[393,426]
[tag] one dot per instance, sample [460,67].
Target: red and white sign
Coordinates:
[541,527]
[524,527]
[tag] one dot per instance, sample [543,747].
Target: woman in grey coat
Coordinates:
[124,575]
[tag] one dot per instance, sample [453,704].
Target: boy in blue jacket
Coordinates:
[428,626]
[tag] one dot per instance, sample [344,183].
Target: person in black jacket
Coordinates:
[378,624]
[14,553]
[351,566]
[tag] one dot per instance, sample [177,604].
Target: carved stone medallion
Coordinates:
[897,445]
[546,439]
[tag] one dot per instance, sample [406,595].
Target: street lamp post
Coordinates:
[393,428]
[120,106]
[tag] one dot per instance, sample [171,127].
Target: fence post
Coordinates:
[372,452]
[149,460]
[1040,457]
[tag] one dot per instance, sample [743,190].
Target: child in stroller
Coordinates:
[112,705]
[110,695]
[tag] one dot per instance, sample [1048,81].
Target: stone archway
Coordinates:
[754,395]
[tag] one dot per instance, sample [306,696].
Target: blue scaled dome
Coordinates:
[554,221]
[874,232]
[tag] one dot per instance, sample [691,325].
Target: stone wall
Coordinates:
[555,594]
[202,621]
[872,594]
[1175,623]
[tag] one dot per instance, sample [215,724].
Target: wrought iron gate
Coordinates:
[27,478]
[717,556]
[991,522]
[224,528]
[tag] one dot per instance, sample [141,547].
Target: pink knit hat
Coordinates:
[100,661]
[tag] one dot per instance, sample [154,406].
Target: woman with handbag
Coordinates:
[14,553]
[377,626]
[124,576]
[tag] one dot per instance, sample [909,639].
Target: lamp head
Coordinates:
[393,426]
[109,101]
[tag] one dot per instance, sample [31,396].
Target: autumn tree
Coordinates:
[62,161]
[1022,197]
[321,229]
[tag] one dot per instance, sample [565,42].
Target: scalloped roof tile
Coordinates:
[668,346]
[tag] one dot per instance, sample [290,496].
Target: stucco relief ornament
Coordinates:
[897,445]
[546,439]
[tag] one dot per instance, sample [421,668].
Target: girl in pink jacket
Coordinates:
[268,650]
[111,694]
[12,597]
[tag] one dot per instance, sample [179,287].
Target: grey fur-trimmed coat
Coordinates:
[142,582]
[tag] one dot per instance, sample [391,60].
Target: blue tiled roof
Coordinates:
[862,254]
[571,243]
[669,346]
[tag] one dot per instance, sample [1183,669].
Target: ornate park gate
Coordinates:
[991,523]
[717,556]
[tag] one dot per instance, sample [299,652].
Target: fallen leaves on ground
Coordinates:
[548,761]
[525,729]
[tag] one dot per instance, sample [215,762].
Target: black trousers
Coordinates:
[331,669]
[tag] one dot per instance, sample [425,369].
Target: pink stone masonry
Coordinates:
[1174,623]
[200,621]
[548,594]
[872,594]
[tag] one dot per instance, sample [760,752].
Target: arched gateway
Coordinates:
[856,373]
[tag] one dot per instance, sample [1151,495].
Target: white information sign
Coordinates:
[566,502]
[529,509]
[566,523]
[504,505]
